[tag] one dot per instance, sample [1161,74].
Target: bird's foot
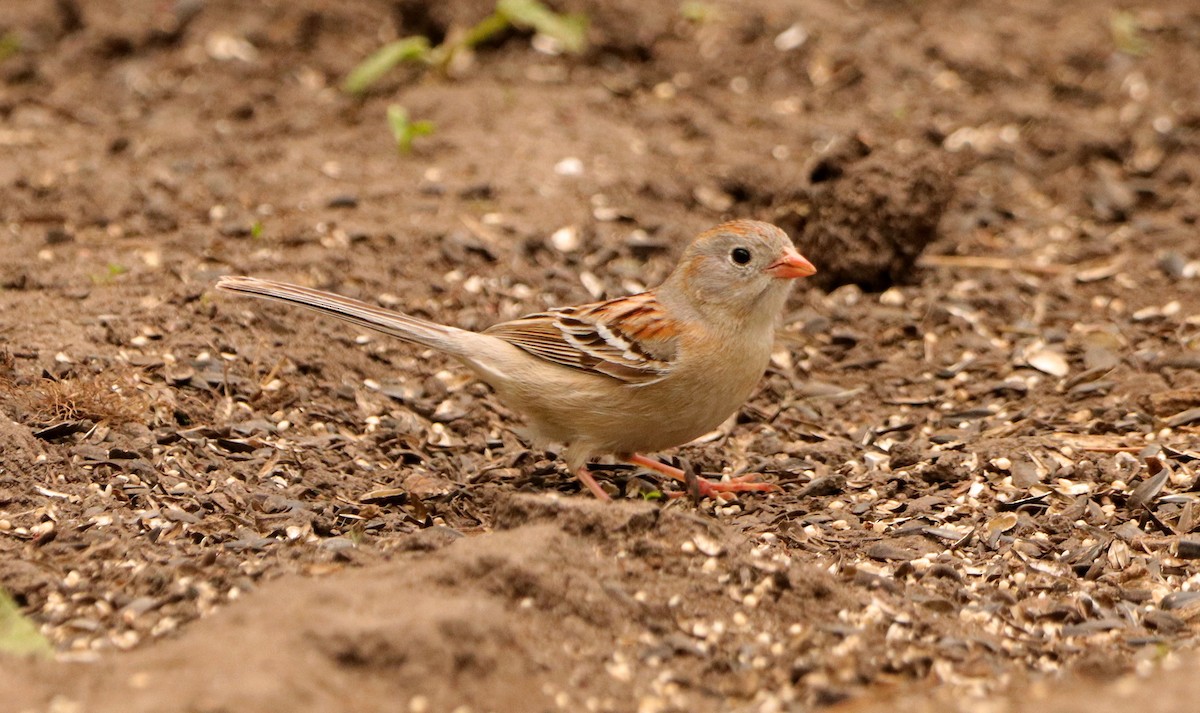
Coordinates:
[724,489]
[740,484]
[715,489]
[585,477]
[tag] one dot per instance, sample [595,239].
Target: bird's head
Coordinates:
[742,269]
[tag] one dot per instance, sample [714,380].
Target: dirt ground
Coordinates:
[983,414]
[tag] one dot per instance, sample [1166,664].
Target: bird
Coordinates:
[626,376]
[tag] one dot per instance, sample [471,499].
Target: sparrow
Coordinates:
[626,376]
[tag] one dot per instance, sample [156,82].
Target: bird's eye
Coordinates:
[740,255]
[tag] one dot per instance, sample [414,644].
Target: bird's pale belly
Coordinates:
[631,419]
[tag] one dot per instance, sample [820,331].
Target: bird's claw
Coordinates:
[725,489]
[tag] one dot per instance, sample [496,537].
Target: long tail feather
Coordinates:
[396,324]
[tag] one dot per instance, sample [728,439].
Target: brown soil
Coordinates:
[982,415]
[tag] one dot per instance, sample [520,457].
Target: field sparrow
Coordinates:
[639,373]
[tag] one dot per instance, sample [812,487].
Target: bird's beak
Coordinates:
[791,266]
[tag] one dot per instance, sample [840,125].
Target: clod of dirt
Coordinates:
[872,216]
[435,20]
[614,33]
[574,517]
[863,215]
[19,452]
[946,468]
[904,455]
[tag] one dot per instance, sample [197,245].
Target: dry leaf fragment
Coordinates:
[708,546]
[999,525]
[1165,403]
[1100,272]
[1148,491]
[1187,548]
[385,496]
[1184,418]
[1049,362]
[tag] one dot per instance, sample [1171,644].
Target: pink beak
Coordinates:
[791,266]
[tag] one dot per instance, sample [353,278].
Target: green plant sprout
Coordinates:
[404,129]
[482,31]
[699,12]
[256,230]
[18,634]
[111,271]
[569,31]
[10,44]
[372,69]
[1126,34]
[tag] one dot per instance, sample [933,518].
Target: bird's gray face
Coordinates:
[743,269]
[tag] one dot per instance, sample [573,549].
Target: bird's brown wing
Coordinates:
[630,339]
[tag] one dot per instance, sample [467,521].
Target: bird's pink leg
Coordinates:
[708,488]
[585,477]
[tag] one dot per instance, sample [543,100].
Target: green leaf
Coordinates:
[492,25]
[18,634]
[699,12]
[371,69]
[404,129]
[1127,34]
[486,29]
[111,271]
[10,44]
[569,30]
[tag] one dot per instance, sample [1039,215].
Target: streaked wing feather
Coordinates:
[598,338]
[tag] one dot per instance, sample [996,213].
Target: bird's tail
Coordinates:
[403,326]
